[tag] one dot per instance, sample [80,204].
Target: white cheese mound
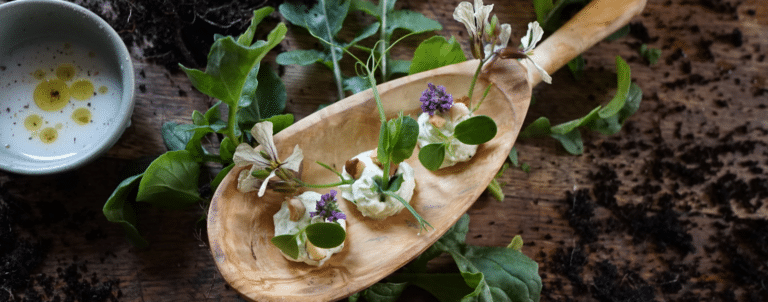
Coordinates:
[363,191]
[458,151]
[284,225]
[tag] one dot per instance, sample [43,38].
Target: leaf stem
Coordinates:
[383,39]
[422,223]
[336,184]
[232,122]
[474,80]
[336,68]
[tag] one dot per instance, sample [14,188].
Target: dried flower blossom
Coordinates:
[327,208]
[264,159]
[485,37]
[528,43]
[435,99]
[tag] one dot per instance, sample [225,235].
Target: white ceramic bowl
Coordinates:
[54,48]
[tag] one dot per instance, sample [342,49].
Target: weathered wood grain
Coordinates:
[704,87]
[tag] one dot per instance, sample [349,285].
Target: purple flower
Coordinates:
[327,209]
[435,99]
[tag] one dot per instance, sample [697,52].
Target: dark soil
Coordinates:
[21,255]
[175,32]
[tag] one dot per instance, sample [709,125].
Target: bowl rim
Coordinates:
[127,98]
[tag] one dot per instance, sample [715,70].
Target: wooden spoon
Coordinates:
[240,226]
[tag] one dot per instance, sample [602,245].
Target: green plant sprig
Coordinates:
[397,137]
[235,76]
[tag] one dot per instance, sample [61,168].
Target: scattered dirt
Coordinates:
[175,32]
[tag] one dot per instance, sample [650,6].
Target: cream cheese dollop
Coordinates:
[363,191]
[429,134]
[284,225]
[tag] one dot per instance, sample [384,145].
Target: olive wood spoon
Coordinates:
[240,226]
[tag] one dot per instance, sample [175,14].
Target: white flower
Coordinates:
[501,43]
[533,36]
[475,18]
[263,158]
[528,43]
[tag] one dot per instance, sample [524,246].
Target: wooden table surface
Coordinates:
[702,129]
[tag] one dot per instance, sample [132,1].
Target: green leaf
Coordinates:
[280,122]
[436,52]
[624,80]
[475,130]
[229,73]
[513,158]
[431,156]
[323,19]
[356,84]
[301,57]
[383,149]
[612,125]
[368,31]
[542,8]
[651,55]
[496,273]
[571,125]
[213,114]
[619,33]
[246,38]
[325,234]
[174,137]
[516,244]
[399,67]
[571,141]
[411,21]
[268,99]
[384,292]
[118,209]
[227,149]
[287,244]
[539,128]
[395,182]
[576,66]
[405,140]
[170,181]
[220,176]
[445,287]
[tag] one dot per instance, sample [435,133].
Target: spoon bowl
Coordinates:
[240,225]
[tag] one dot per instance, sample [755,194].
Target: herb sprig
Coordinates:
[251,92]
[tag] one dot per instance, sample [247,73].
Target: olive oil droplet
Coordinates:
[81,116]
[81,90]
[51,95]
[33,122]
[103,89]
[49,135]
[65,72]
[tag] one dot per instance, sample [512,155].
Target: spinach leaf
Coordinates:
[268,99]
[170,181]
[118,209]
[475,130]
[175,137]
[436,52]
[325,234]
[232,68]
[624,79]
[287,244]
[404,139]
[381,292]
[496,273]
[431,156]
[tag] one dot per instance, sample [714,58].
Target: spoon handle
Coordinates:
[593,23]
